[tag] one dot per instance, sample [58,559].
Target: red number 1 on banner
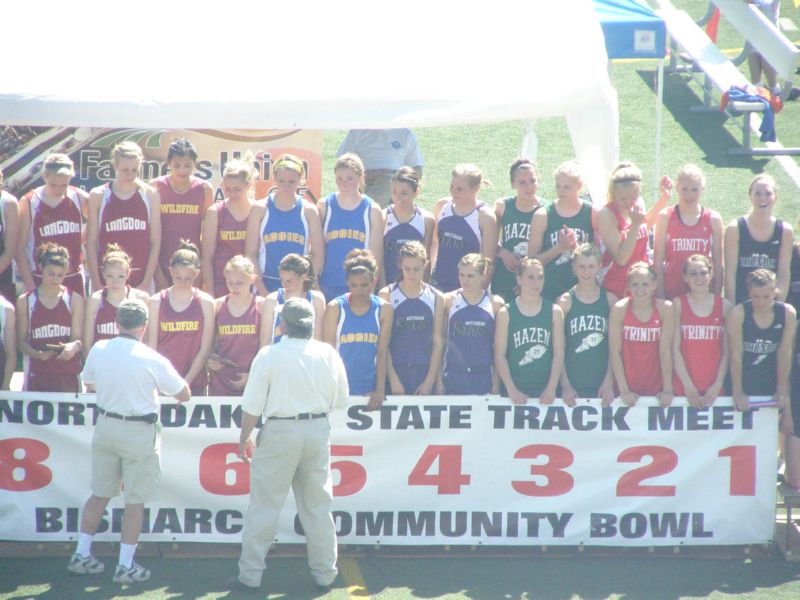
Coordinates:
[743,469]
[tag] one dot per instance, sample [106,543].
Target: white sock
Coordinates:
[126,552]
[84,544]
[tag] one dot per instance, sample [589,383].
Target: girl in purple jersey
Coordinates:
[469,350]
[464,225]
[404,221]
[417,345]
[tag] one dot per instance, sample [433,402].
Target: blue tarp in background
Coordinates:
[631,29]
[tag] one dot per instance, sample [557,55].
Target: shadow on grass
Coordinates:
[479,578]
[708,130]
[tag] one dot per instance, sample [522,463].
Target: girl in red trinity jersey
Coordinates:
[54,213]
[184,201]
[49,321]
[640,340]
[127,212]
[237,330]
[181,325]
[100,322]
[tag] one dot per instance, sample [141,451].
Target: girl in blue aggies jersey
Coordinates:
[470,310]
[417,343]
[282,224]
[359,326]
[350,220]
[404,221]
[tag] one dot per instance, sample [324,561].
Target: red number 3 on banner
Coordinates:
[21,468]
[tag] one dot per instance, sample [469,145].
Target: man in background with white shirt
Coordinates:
[293,384]
[127,375]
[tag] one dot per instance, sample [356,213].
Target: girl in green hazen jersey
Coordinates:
[529,339]
[587,371]
[514,216]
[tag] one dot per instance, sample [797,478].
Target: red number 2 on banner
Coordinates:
[21,468]
[664,461]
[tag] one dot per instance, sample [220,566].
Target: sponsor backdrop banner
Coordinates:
[23,150]
[425,470]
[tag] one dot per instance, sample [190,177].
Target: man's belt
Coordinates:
[300,417]
[148,418]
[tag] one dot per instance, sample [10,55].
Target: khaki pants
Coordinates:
[379,186]
[296,454]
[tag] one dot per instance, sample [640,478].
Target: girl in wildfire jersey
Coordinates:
[127,212]
[53,213]
[184,201]
[181,325]
[9,232]
[100,322]
[8,343]
[682,230]
[699,346]
[758,240]
[640,340]
[237,330]
[225,224]
[529,340]
[283,223]
[417,344]
[49,321]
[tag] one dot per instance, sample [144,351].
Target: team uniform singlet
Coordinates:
[50,326]
[357,343]
[395,234]
[237,340]
[469,357]
[276,313]
[7,288]
[586,344]
[558,275]
[682,242]
[282,232]
[457,237]
[344,230]
[105,319]
[180,336]
[127,223]
[231,236]
[701,345]
[4,304]
[516,230]
[411,344]
[60,224]
[793,297]
[529,348]
[755,255]
[616,278]
[181,217]
[760,351]
[640,356]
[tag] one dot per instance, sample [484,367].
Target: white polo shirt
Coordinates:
[295,376]
[387,149]
[127,376]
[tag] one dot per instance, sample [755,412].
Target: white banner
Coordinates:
[425,471]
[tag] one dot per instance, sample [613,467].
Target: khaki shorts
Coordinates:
[126,452]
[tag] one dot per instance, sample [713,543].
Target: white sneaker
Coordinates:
[135,573]
[85,565]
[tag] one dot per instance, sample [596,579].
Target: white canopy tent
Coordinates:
[312,65]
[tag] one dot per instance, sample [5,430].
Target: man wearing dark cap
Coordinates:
[127,375]
[293,384]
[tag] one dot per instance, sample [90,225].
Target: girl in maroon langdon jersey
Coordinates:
[184,201]
[225,223]
[640,340]
[127,212]
[699,345]
[9,230]
[49,321]
[8,343]
[682,230]
[53,213]
[100,322]
[237,330]
[181,325]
